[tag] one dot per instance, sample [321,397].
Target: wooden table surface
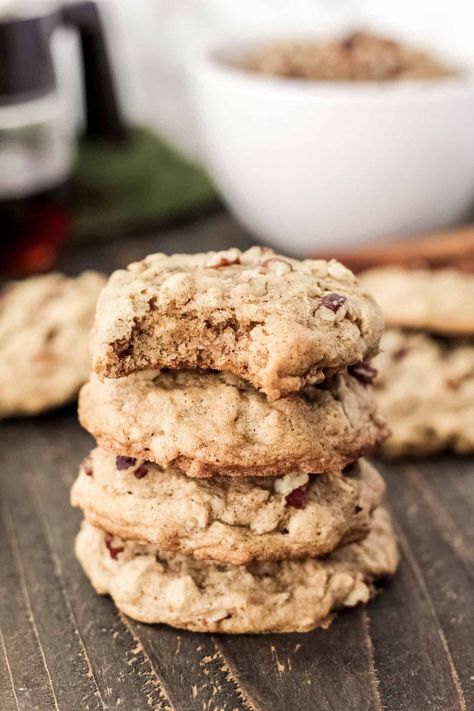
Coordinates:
[63,647]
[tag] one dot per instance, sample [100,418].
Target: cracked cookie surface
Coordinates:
[277,322]
[209,423]
[441,300]
[44,331]
[425,389]
[231,520]
[286,596]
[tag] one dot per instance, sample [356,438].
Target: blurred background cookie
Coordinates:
[425,384]
[44,340]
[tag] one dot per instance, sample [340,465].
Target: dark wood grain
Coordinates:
[63,647]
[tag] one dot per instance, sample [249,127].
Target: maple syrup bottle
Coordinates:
[38,129]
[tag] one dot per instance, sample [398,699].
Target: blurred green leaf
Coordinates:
[122,187]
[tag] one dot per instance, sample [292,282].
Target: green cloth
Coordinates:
[123,187]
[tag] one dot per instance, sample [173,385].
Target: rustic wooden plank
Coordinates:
[73,622]
[21,648]
[8,700]
[52,618]
[451,491]
[324,669]
[446,507]
[458,475]
[193,669]
[413,670]
[440,572]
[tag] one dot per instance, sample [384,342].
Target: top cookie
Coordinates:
[276,322]
[441,301]
[44,332]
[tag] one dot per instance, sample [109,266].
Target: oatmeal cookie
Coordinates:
[279,323]
[286,596]
[44,330]
[439,301]
[209,423]
[425,389]
[230,520]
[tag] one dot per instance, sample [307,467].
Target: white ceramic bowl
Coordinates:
[312,165]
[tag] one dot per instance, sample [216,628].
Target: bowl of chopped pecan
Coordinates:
[319,143]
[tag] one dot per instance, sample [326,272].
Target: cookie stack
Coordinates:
[425,386]
[231,404]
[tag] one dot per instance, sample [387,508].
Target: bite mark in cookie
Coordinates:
[276,322]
